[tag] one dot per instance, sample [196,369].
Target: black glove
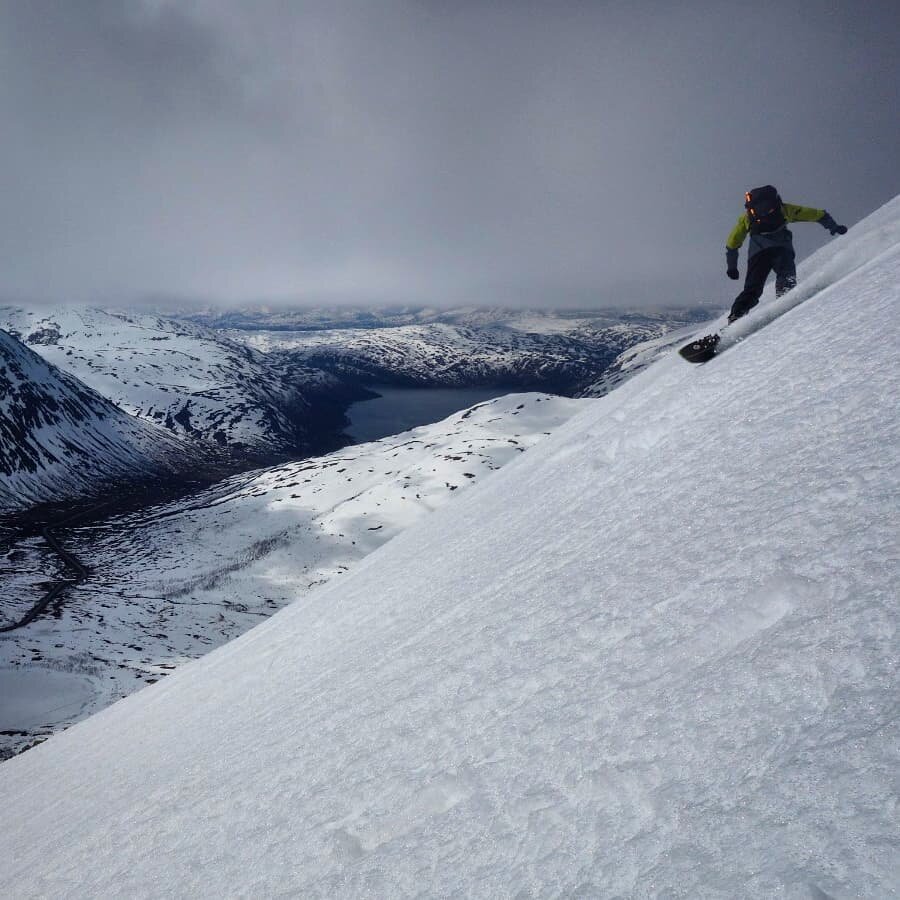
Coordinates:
[731,261]
[833,228]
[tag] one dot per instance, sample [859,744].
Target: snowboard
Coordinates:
[701,349]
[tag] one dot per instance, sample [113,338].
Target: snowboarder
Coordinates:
[771,244]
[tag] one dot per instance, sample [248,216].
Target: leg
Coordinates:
[785,271]
[758,267]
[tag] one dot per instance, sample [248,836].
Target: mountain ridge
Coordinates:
[194,382]
[59,439]
[525,352]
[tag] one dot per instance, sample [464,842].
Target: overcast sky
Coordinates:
[547,153]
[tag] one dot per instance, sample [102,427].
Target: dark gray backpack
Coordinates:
[764,210]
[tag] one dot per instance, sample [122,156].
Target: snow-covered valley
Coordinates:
[170,583]
[228,407]
[104,412]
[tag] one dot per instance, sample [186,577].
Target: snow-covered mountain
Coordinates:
[60,439]
[525,351]
[653,656]
[170,584]
[195,383]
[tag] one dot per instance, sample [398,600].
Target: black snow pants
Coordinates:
[781,260]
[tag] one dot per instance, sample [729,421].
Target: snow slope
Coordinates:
[654,656]
[172,583]
[60,439]
[822,269]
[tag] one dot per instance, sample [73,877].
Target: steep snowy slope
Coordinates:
[654,656]
[171,583]
[831,264]
[193,382]
[59,439]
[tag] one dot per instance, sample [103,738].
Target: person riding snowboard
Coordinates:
[771,244]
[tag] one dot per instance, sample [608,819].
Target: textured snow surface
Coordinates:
[654,656]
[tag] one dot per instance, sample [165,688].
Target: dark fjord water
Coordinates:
[399,409]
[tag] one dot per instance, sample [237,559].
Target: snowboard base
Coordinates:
[701,350]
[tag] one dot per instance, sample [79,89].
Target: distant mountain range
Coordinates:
[563,353]
[325,318]
[170,390]
[99,393]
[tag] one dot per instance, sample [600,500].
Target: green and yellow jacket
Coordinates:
[792,213]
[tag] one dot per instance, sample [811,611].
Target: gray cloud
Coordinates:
[478,152]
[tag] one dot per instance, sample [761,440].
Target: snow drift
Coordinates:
[654,656]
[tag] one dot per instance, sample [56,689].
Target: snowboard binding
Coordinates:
[700,350]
